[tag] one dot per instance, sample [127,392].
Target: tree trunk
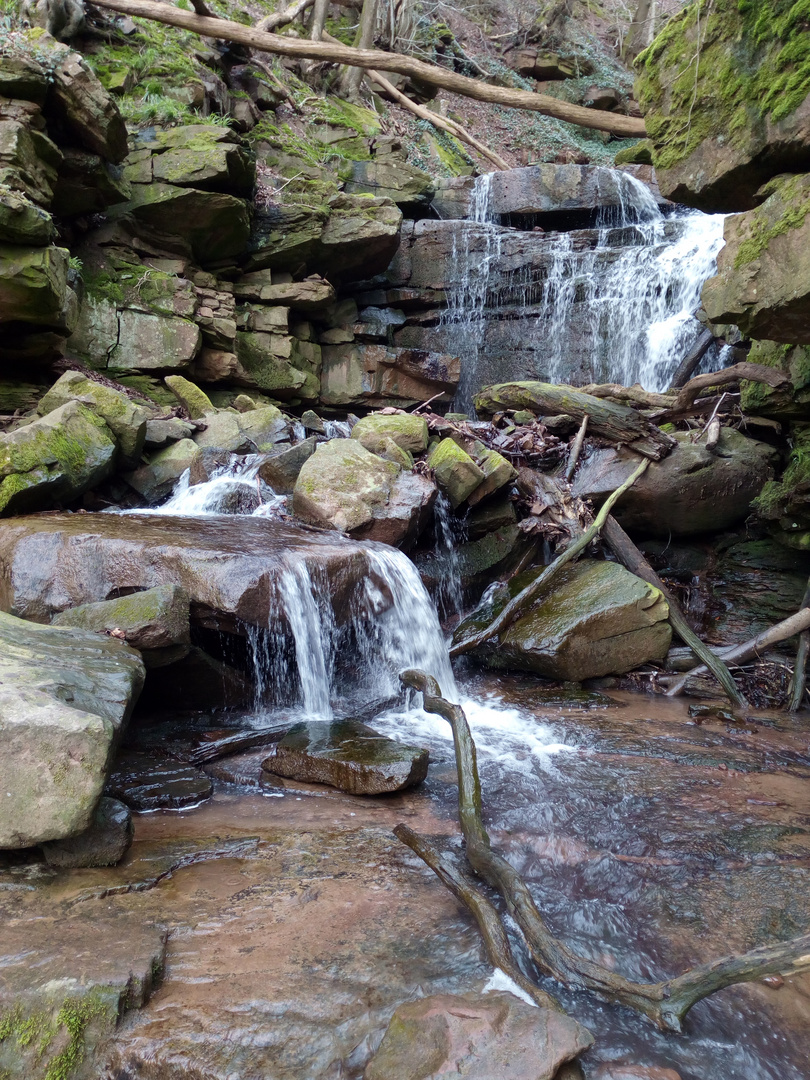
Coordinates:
[642,30]
[225,30]
[353,76]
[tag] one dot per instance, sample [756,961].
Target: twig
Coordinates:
[524,600]
[753,372]
[797,683]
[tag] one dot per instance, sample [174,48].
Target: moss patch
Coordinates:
[53,1041]
[786,206]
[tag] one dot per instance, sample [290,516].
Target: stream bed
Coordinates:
[297,923]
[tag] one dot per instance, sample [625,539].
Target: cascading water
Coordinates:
[614,304]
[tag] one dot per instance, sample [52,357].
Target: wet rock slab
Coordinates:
[146,782]
[476,1037]
[347,755]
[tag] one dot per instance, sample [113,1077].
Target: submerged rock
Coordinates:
[64,697]
[348,755]
[595,619]
[104,843]
[478,1037]
[148,782]
[691,491]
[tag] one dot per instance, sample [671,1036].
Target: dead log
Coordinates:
[576,449]
[797,683]
[629,395]
[518,606]
[752,372]
[466,890]
[665,1003]
[617,423]
[739,654]
[687,366]
[300,48]
[282,18]
[629,556]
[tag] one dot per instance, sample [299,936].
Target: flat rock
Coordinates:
[65,696]
[347,755]
[478,1037]
[104,843]
[149,782]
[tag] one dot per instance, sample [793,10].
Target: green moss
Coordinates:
[721,66]
[34,1033]
[785,209]
[788,499]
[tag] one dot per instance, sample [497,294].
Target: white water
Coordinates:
[632,296]
[232,489]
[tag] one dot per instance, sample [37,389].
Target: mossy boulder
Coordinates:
[151,619]
[55,459]
[640,154]
[498,472]
[34,288]
[344,486]
[762,283]
[29,161]
[206,156]
[266,362]
[398,181]
[280,471]
[409,432]
[126,420]
[595,619]
[155,480]
[22,221]
[790,401]
[84,107]
[194,400]
[456,473]
[724,90]
[65,695]
[254,432]
[785,503]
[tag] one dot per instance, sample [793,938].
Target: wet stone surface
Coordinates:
[150,782]
[298,924]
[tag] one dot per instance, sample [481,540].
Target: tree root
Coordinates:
[665,1003]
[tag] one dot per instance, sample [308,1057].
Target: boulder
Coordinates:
[157,478]
[147,342]
[281,471]
[64,698]
[477,562]
[374,375]
[84,107]
[126,420]
[398,181]
[254,432]
[409,432]
[214,224]
[762,283]
[477,1037]
[720,132]
[206,156]
[691,491]
[29,161]
[229,567]
[33,286]
[312,294]
[103,843]
[456,473]
[194,400]
[595,619]
[498,472]
[791,401]
[22,221]
[347,755]
[344,486]
[546,66]
[267,362]
[87,184]
[54,459]
[151,619]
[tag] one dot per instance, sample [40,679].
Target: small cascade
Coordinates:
[615,303]
[450,597]
[235,488]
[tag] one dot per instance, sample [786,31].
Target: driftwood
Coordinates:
[797,683]
[752,372]
[630,395]
[687,366]
[739,654]
[665,1003]
[576,449]
[520,604]
[607,419]
[304,49]
[462,886]
[628,554]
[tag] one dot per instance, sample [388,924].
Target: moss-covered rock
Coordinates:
[29,161]
[87,184]
[791,401]
[723,89]
[785,502]
[155,480]
[762,283]
[640,154]
[266,363]
[408,431]
[194,400]
[64,697]
[206,156]
[595,619]
[54,459]
[125,419]
[254,432]
[151,619]
[456,473]
[398,181]
[22,221]
[498,472]
[34,288]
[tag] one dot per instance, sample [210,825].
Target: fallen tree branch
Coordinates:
[524,600]
[752,372]
[576,449]
[225,30]
[483,910]
[440,122]
[629,556]
[629,395]
[687,366]
[797,683]
[665,1003]
[781,631]
[283,18]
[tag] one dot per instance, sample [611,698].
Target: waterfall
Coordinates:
[615,303]
[449,597]
[234,488]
